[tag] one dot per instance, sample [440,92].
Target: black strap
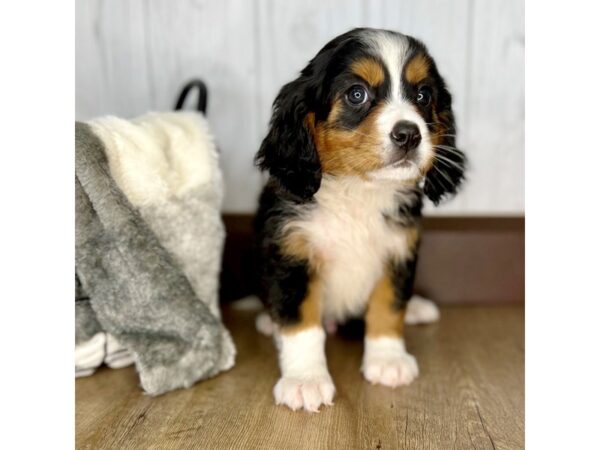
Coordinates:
[202,95]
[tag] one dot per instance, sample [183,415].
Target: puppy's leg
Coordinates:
[305,381]
[385,359]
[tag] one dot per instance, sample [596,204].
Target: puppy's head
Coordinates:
[371,103]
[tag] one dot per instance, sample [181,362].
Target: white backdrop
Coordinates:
[134,56]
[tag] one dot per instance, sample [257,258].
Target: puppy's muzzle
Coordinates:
[406,137]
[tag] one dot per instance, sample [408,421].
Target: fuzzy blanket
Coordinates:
[149,239]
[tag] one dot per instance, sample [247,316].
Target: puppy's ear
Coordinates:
[288,152]
[448,169]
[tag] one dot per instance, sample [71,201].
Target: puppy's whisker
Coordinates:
[451,159]
[451,184]
[443,158]
[446,147]
[449,163]
[450,150]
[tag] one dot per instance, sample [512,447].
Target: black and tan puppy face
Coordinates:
[372,104]
[387,109]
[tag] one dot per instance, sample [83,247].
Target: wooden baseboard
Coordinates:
[462,260]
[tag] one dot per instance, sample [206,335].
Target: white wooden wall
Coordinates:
[134,55]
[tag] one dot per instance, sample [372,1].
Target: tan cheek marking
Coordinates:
[309,122]
[369,70]
[383,319]
[434,137]
[417,69]
[437,136]
[413,236]
[348,152]
[310,308]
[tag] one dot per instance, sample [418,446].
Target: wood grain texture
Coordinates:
[134,56]
[470,394]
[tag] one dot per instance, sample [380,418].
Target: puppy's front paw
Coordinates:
[386,362]
[391,372]
[309,393]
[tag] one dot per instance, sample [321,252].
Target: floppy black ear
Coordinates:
[288,152]
[448,170]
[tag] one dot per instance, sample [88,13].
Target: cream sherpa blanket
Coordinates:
[149,239]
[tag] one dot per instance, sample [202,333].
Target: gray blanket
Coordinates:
[148,249]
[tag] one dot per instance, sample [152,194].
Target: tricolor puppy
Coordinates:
[354,143]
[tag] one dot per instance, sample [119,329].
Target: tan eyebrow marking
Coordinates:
[417,69]
[369,70]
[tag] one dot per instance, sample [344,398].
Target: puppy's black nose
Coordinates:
[406,135]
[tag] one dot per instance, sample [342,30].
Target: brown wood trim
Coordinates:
[462,260]
[238,222]
[474,223]
[467,260]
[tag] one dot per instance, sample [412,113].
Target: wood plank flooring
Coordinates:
[470,394]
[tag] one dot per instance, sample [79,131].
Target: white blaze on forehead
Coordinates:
[393,50]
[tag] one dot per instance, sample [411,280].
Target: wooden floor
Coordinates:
[469,395]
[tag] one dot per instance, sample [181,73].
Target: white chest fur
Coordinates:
[349,234]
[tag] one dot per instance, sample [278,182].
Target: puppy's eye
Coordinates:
[424,96]
[357,95]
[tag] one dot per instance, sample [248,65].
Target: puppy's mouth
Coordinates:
[403,161]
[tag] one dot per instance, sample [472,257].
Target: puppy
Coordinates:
[354,144]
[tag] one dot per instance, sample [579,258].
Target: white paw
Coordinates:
[309,393]
[387,362]
[392,372]
[420,310]
[264,324]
